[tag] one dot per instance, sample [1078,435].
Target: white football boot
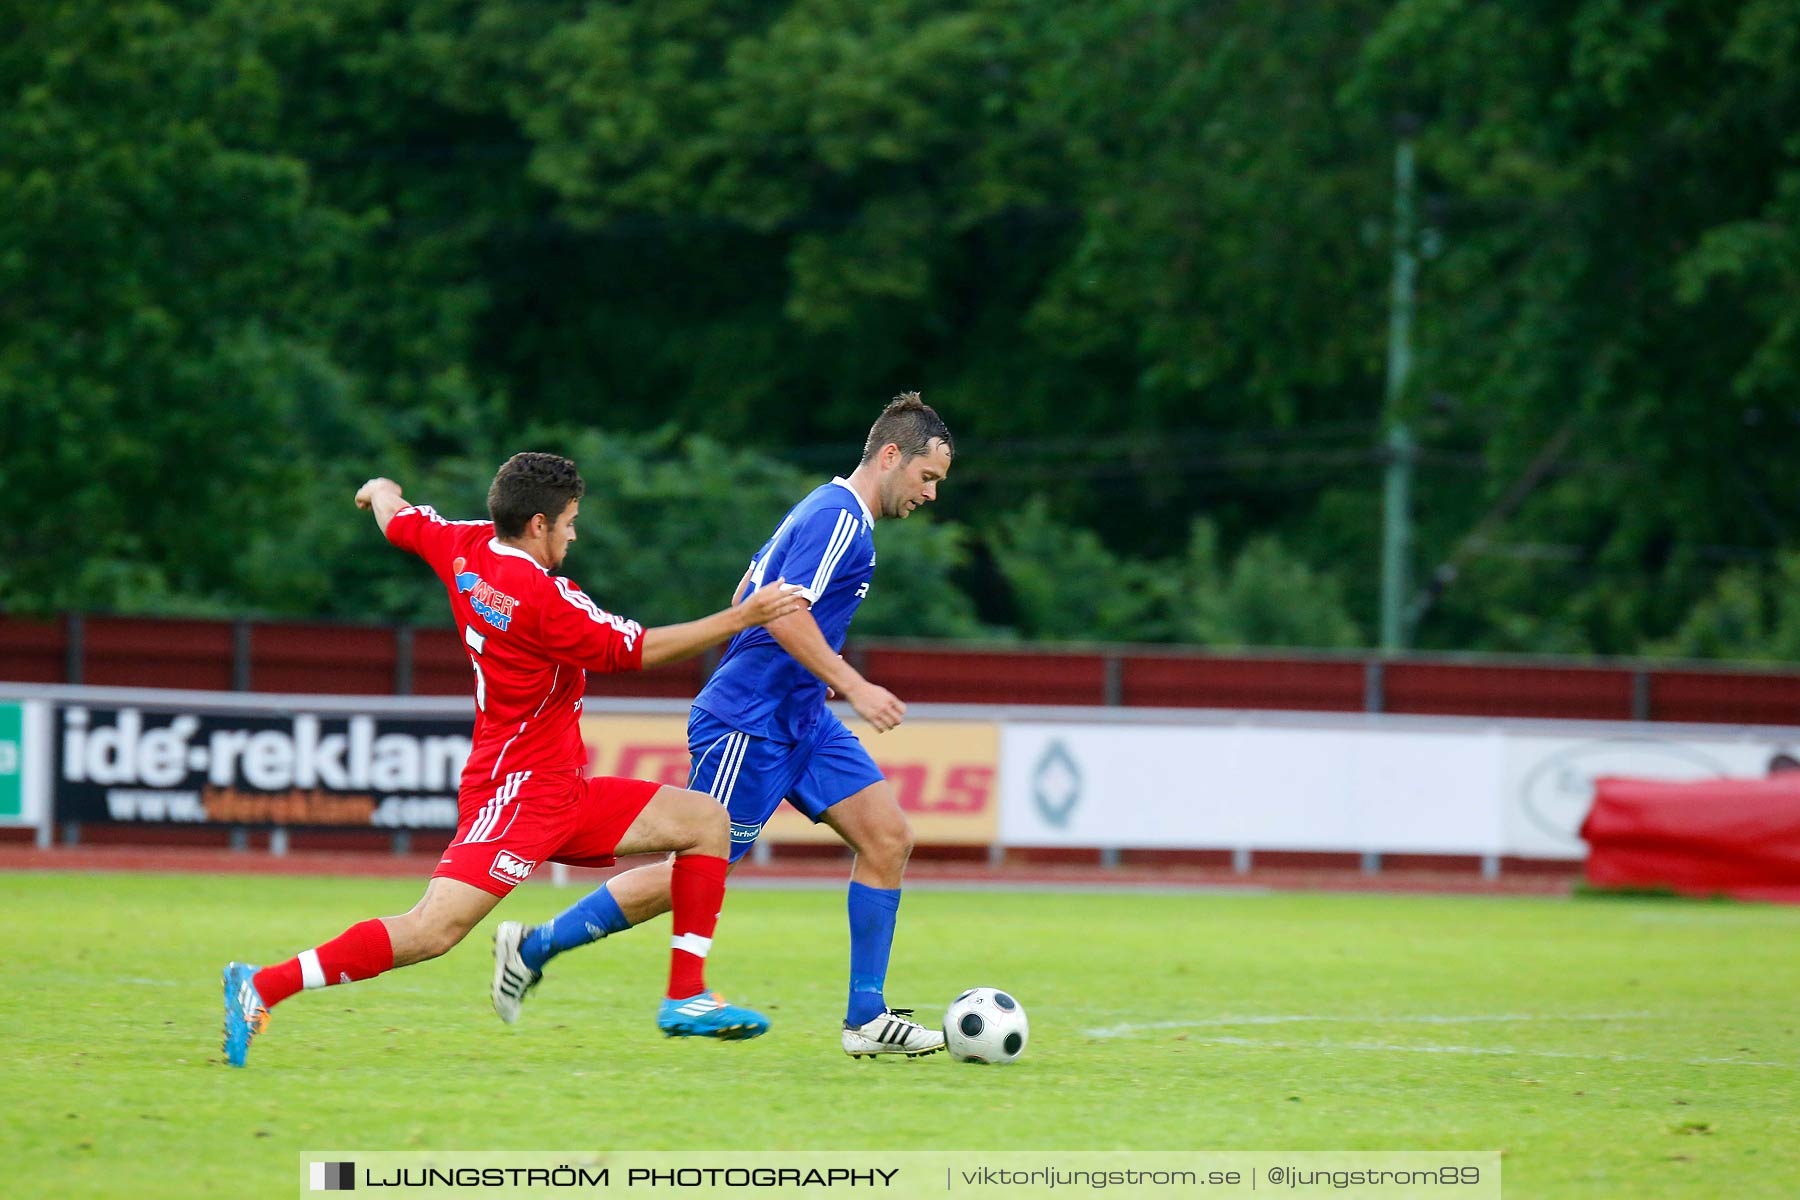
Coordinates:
[513,980]
[892,1032]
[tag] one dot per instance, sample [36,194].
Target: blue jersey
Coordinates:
[826,544]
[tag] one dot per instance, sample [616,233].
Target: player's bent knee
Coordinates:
[701,811]
[706,822]
[890,842]
[899,841]
[714,835]
[418,936]
[443,936]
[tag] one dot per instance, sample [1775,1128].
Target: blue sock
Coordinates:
[873,912]
[587,920]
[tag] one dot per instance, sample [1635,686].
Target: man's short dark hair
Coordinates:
[910,424]
[528,484]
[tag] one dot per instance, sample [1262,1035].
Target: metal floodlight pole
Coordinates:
[1396,532]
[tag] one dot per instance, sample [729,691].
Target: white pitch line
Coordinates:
[1127,1030]
[1502,1051]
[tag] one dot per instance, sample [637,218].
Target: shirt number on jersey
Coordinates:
[477,643]
[862,589]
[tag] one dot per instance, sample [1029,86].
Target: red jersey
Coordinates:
[531,637]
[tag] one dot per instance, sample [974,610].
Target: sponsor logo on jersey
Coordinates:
[510,868]
[744,833]
[496,607]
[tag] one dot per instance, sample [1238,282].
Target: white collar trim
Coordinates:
[860,502]
[500,547]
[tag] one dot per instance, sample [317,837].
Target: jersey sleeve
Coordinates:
[420,530]
[575,630]
[816,548]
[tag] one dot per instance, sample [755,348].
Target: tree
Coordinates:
[1265,596]
[1065,583]
[1135,250]
[157,377]
[1616,185]
[1750,615]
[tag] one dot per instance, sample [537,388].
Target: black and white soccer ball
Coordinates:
[985,1025]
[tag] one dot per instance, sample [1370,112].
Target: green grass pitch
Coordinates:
[1609,1048]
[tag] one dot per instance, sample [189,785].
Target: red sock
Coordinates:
[696,892]
[362,951]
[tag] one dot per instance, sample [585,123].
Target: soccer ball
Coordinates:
[985,1025]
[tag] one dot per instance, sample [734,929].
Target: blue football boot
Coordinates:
[707,1015]
[245,1014]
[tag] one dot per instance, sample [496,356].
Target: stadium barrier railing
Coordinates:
[280,656]
[1237,786]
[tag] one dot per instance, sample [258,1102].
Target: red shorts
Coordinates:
[505,830]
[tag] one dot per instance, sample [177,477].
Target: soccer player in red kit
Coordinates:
[525,797]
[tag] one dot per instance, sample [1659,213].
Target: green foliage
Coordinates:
[1222,193]
[1068,585]
[1618,222]
[161,250]
[1136,251]
[1264,597]
[1065,583]
[1750,615]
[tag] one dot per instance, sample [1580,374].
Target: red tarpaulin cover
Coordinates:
[1736,837]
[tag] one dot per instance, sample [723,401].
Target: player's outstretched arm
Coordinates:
[382,497]
[801,637]
[669,643]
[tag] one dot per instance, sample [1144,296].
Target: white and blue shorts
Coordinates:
[751,776]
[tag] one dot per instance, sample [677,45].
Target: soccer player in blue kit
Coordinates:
[760,732]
